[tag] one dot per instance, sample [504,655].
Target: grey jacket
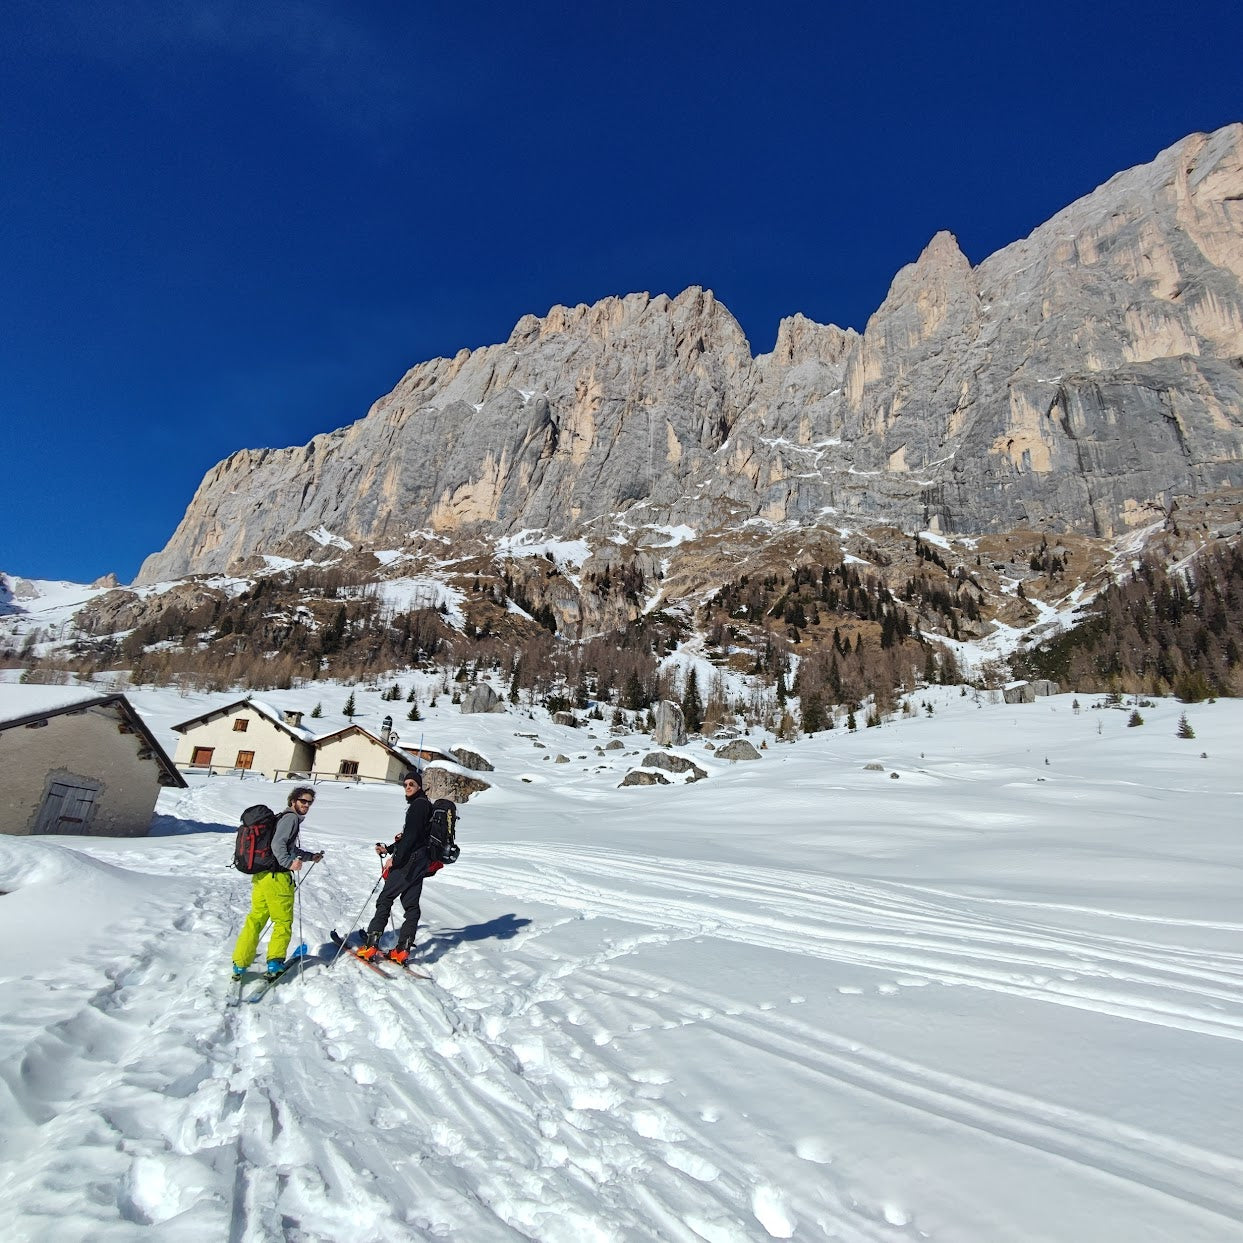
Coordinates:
[285,839]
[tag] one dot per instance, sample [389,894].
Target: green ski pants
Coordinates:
[271,899]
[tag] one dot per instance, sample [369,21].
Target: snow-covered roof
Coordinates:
[358,729]
[19,701]
[300,732]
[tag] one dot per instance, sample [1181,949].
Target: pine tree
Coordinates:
[1184,727]
[692,705]
[317,711]
[350,707]
[414,714]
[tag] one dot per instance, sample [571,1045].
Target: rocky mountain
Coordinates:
[1086,379]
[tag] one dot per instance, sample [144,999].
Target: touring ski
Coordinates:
[409,970]
[353,953]
[267,981]
[239,987]
[366,962]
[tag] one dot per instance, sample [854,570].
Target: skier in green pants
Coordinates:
[272,893]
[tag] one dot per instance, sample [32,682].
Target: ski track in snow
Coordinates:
[492,1098]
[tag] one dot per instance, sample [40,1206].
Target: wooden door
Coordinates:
[67,808]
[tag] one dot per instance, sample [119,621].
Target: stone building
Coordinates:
[73,761]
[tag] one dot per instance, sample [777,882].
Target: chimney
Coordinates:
[293,718]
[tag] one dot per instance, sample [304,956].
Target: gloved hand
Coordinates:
[315,858]
[380,850]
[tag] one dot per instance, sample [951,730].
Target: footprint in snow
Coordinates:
[769,1207]
[690,1163]
[815,1149]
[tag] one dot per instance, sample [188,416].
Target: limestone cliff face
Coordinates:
[1083,377]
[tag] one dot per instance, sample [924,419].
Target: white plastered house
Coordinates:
[246,736]
[73,761]
[354,754]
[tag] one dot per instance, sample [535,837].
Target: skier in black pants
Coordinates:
[404,874]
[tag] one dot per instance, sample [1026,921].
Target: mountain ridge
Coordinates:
[1082,379]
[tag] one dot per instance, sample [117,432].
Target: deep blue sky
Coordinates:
[236,223]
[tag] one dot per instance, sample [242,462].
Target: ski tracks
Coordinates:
[546,1084]
[915,938]
[123,1065]
[901,929]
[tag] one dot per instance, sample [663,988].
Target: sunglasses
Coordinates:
[305,802]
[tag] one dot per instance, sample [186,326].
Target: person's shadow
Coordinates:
[436,946]
[171,826]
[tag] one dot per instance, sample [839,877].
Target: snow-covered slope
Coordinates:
[991,990]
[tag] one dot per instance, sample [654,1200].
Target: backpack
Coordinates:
[441,847]
[253,850]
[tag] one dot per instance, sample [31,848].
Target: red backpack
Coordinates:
[253,850]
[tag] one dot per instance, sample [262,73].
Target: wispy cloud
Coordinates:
[359,71]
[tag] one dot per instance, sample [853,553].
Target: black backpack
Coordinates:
[441,847]
[253,850]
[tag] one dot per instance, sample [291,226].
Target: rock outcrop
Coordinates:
[1083,378]
[739,749]
[673,764]
[482,698]
[668,724]
[442,782]
[472,760]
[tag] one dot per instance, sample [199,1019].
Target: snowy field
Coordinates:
[991,992]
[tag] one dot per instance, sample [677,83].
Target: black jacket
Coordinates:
[415,833]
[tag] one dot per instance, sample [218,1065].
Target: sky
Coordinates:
[227,225]
[972,976]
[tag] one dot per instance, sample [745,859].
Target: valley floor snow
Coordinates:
[991,992]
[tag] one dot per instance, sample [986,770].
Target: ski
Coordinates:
[418,975]
[366,962]
[267,981]
[239,987]
[339,941]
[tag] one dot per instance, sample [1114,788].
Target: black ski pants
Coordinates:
[407,884]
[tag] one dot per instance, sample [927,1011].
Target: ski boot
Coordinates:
[402,952]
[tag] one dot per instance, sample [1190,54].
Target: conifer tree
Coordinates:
[813,714]
[692,705]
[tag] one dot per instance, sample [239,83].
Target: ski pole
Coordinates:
[357,918]
[297,897]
